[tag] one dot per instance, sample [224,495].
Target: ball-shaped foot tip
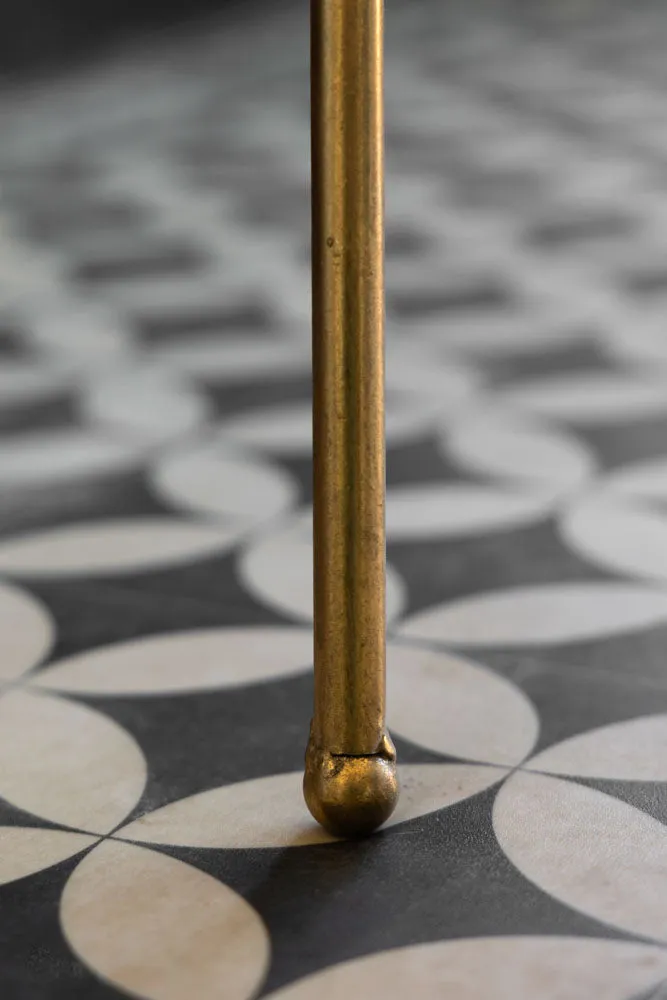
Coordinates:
[351,796]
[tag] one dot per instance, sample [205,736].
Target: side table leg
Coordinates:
[350,783]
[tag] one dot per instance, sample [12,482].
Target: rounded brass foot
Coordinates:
[351,796]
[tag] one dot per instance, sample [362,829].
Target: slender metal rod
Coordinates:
[350,783]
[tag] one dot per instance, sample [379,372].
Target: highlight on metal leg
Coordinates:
[350,783]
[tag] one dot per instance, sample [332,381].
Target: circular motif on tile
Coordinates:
[160,929]
[454,510]
[27,632]
[26,850]
[619,533]
[101,548]
[144,405]
[589,850]
[553,968]
[455,707]
[542,615]
[589,399]
[205,479]
[181,662]
[277,570]
[67,763]
[269,812]
[37,459]
[635,750]
[531,456]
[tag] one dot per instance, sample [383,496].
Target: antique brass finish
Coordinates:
[350,782]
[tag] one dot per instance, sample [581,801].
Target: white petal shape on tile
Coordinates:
[516,450]
[283,430]
[454,510]
[207,480]
[644,346]
[26,850]
[206,659]
[500,968]
[595,399]
[68,329]
[240,359]
[24,277]
[455,707]
[263,812]
[114,547]
[449,384]
[27,632]
[547,614]
[146,406]
[415,412]
[427,788]
[269,812]
[635,750]
[591,851]
[619,534]
[277,570]
[22,383]
[499,334]
[643,480]
[37,459]
[160,929]
[67,763]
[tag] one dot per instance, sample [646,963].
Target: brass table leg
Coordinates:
[350,782]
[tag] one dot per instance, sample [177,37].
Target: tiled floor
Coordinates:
[155,594]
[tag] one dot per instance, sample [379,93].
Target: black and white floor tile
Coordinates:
[155,524]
